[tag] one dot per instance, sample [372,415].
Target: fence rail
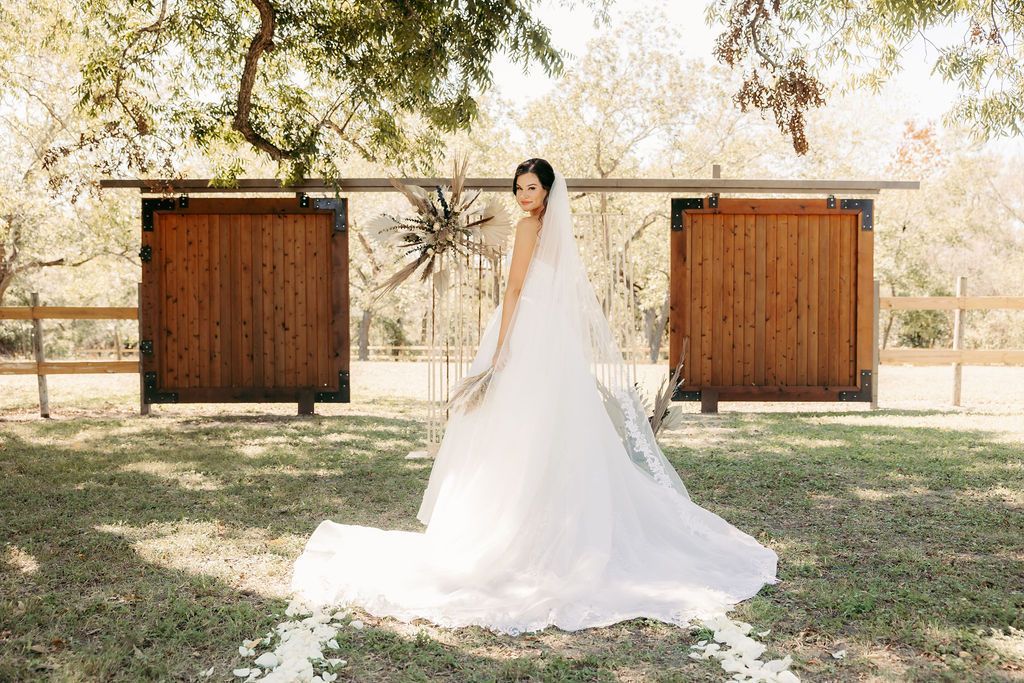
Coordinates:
[955,356]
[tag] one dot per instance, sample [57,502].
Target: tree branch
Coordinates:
[262,42]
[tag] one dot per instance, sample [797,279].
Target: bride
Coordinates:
[549,502]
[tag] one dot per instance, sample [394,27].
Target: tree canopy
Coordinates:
[307,82]
[790,51]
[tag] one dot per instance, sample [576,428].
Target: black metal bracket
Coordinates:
[867,211]
[338,206]
[862,394]
[339,396]
[146,253]
[303,199]
[681,204]
[680,395]
[151,205]
[713,201]
[152,395]
[146,346]
[183,201]
[831,201]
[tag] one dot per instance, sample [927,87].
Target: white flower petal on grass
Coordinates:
[777,665]
[208,672]
[839,654]
[267,660]
[739,654]
[356,623]
[245,651]
[337,662]
[241,673]
[329,678]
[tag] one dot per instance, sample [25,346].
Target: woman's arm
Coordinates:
[525,241]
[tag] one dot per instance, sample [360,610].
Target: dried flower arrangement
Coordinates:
[661,415]
[445,223]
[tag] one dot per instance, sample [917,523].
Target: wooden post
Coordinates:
[37,347]
[709,398]
[875,328]
[958,337]
[143,406]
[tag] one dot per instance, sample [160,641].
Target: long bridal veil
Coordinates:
[551,503]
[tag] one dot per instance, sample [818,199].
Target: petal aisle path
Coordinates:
[740,654]
[299,649]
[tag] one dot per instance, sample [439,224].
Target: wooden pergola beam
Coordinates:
[664,185]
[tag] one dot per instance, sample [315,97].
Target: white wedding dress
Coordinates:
[550,504]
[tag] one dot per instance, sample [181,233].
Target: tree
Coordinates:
[37,61]
[786,49]
[305,83]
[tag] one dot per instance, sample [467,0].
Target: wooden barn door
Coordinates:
[774,298]
[245,300]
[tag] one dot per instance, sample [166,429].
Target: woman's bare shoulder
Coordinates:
[528,223]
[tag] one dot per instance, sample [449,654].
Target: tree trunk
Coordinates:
[654,326]
[364,334]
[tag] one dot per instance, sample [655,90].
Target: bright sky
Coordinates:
[926,96]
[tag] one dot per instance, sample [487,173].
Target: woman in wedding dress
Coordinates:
[550,502]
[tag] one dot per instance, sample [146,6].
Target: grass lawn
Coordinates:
[139,548]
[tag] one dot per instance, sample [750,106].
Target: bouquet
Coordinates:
[469,392]
[448,221]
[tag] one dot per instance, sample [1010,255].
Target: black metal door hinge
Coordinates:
[303,199]
[146,346]
[146,253]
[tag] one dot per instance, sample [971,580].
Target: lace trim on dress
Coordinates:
[641,444]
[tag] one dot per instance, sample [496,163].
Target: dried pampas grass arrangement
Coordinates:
[446,222]
[469,393]
[662,416]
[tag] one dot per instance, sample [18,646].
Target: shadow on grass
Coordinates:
[905,538]
[134,531]
[889,541]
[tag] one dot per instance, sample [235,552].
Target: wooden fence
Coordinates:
[956,356]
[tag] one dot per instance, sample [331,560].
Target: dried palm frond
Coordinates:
[414,194]
[459,177]
[398,278]
[388,231]
[496,225]
[662,416]
[469,393]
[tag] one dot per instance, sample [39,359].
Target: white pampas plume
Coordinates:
[469,393]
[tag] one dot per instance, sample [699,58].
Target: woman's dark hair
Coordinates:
[542,169]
